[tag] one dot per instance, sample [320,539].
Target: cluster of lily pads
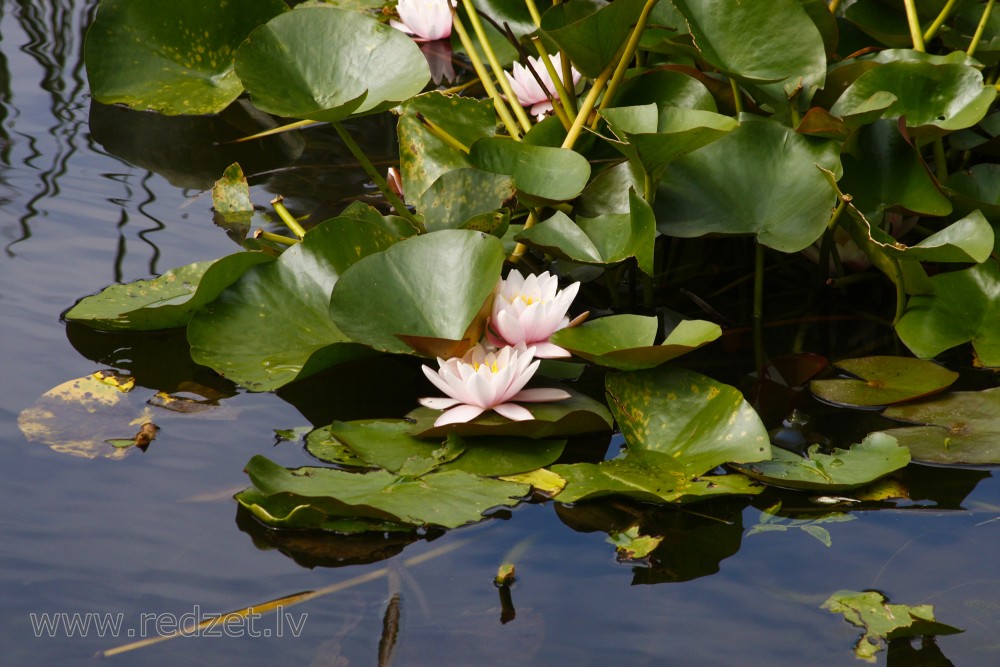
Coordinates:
[637,125]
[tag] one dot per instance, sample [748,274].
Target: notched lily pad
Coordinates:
[962,427]
[883,380]
[625,342]
[875,456]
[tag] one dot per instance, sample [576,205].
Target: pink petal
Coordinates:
[540,395]
[459,415]
[436,403]
[549,350]
[438,381]
[509,327]
[513,412]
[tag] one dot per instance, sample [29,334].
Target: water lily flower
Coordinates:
[529,310]
[526,88]
[424,19]
[482,380]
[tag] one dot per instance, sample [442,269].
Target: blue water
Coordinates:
[156,535]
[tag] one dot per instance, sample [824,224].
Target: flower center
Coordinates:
[493,367]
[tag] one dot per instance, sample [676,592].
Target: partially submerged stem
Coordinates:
[916,35]
[297,125]
[293,225]
[513,129]
[274,238]
[377,178]
[939,21]
[974,44]
[491,56]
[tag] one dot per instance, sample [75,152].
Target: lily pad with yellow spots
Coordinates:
[883,380]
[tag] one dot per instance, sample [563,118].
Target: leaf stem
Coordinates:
[366,164]
[513,128]
[588,105]
[626,57]
[974,44]
[536,17]
[940,160]
[274,238]
[561,92]
[916,34]
[900,290]
[518,252]
[293,225]
[737,96]
[939,21]
[442,134]
[491,56]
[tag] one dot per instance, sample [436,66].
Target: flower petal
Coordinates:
[459,415]
[549,350]
[540,395]
[438,403]
[513,412]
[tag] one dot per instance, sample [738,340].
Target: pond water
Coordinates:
[92,195]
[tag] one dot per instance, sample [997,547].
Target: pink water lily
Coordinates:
[424,19]
[529,310]
[526,88]
[482,380]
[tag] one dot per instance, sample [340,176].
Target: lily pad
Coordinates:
[447,499]
[542,175]
[273,325]
[625,342]
[174,57]
[231,196]
[610,238]
[164,302]
[699,422]
[962,427]
[463,195]
[875,456]
[647,476]
[721,188]
[882,621]
[576,414]
[325,64]
[965,306]
[432,286]
[386,443]
[883,381]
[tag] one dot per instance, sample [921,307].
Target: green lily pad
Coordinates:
[542,175]
[788,49]
[977,188]
[591,32]
[625,342]
[970,239]
[448,499]
[576,414]
[462,195]
[164,302]
[664,88]
[425,156]
[699,422]
[272,325]
[326,64]
[934,99]
[883,381]
[717,189]
[962,427]
[231,196]
[605,239]
[431,286]
[322,444]
[875,456]
[882,621]
[174,57]
[647,476]
[386,443]
[965,306]
[654,138]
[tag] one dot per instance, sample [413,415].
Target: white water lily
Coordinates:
[482,380]
[526,88]
[424,19]
[529,310]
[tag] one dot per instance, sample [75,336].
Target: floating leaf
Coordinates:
[164,302]
[721,188]
[875,456]
[970,239]
[882,621]
[962,427]
[176,58]
[541,174]
[625,342]
[647,476]
[576,414]
[965,306]
[699,422]
[326,64]
[231,196]
[883,381]
[431,286]
[460,195]
[273,324]
[448,499]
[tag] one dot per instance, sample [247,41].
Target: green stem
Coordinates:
[491,56]
[588,105]
[518,252]
[979,29]
[737,97]
[287,218]
[442,134]
[477,64]
[390,196]
[561,93]
[626,57]
[834,4]
[758,306]
[939,21]
[940,161]
[274,238]
[900,291]
[536,17]
[913,20]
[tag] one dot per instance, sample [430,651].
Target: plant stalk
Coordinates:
[626,58]
[737,97]
[939,21]
[916,34]
[293,225]
[974,44]
[588,105]
[900,291]
[518,252]
[561,92]
[274,238]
